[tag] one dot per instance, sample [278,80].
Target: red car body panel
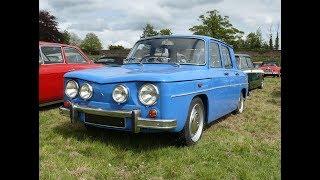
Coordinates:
[51,75]
[271,69]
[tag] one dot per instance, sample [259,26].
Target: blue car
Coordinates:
[167,83]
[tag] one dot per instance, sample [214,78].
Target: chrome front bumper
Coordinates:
[138,122]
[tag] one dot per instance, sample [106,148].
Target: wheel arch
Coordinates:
[244,92]
[205,101]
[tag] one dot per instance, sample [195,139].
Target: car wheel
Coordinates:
[240,106]
[261,85]
[90,128]
[194,125]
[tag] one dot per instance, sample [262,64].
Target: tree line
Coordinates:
[211,24]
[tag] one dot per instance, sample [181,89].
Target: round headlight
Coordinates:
[148,94]
[71,89]
[86,91]
[120,94]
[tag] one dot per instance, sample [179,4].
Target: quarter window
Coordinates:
[226,57]
[73,55]
[51,55]
[215,55]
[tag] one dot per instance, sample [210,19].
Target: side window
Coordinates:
[249,62]
[244,64]
[51,55]
[215,55]
[226,57]
[40,58]
[73,56]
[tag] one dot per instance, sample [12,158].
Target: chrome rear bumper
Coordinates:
[138,122]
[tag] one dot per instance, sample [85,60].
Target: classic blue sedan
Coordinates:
[167,83]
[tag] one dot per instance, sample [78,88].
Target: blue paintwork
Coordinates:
[177,87]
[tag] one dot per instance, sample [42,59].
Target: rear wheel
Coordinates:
[194,125]
[261,85]
[240,106]
[90,127]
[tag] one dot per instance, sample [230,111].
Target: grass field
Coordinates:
[245,146]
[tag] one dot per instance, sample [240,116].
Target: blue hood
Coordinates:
[135,72]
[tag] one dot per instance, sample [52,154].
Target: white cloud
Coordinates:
[121,21]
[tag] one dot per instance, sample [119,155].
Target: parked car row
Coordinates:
[176,84]
[54,61]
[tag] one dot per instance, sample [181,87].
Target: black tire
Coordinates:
[90,128]
[261,85]
[240,106]
[186,137]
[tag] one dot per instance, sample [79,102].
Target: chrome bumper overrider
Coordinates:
[138,122]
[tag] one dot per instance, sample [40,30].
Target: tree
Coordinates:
[270,38]
[48,27]
[165,32]
[214,25]
[116,47]
[91,44]
[254,42]
[65,37]
[276,43]
[75,40]
[148,31]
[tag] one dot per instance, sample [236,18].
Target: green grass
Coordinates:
[245,146]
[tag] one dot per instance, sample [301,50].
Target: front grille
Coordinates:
[105,120]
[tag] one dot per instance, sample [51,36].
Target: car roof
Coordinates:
[52,43]
[205,38]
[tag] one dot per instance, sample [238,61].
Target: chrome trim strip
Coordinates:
[218,87]
[120,114]
[157,124]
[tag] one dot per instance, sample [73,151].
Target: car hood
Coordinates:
[146,72]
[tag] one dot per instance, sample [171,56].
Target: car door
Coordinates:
[51,72]
[254,76]
[232,74]
[219,83]
[76,60]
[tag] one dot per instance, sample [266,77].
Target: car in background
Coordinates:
[110,61]
[271,68]
[54,61]
[257,64]
[176,84]
[255,75]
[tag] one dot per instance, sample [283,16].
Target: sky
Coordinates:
[120,22]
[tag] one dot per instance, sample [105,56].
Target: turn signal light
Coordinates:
[66,104]
[153,113]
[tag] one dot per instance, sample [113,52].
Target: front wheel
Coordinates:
[194,125]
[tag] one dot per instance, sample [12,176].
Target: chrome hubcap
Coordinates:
[240,104]
[196,122]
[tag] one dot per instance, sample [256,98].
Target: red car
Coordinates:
[271,69]
[54,61]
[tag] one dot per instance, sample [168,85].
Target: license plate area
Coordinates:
[105,120]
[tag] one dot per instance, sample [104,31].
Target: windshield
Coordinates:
[270,64]
[168,50]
